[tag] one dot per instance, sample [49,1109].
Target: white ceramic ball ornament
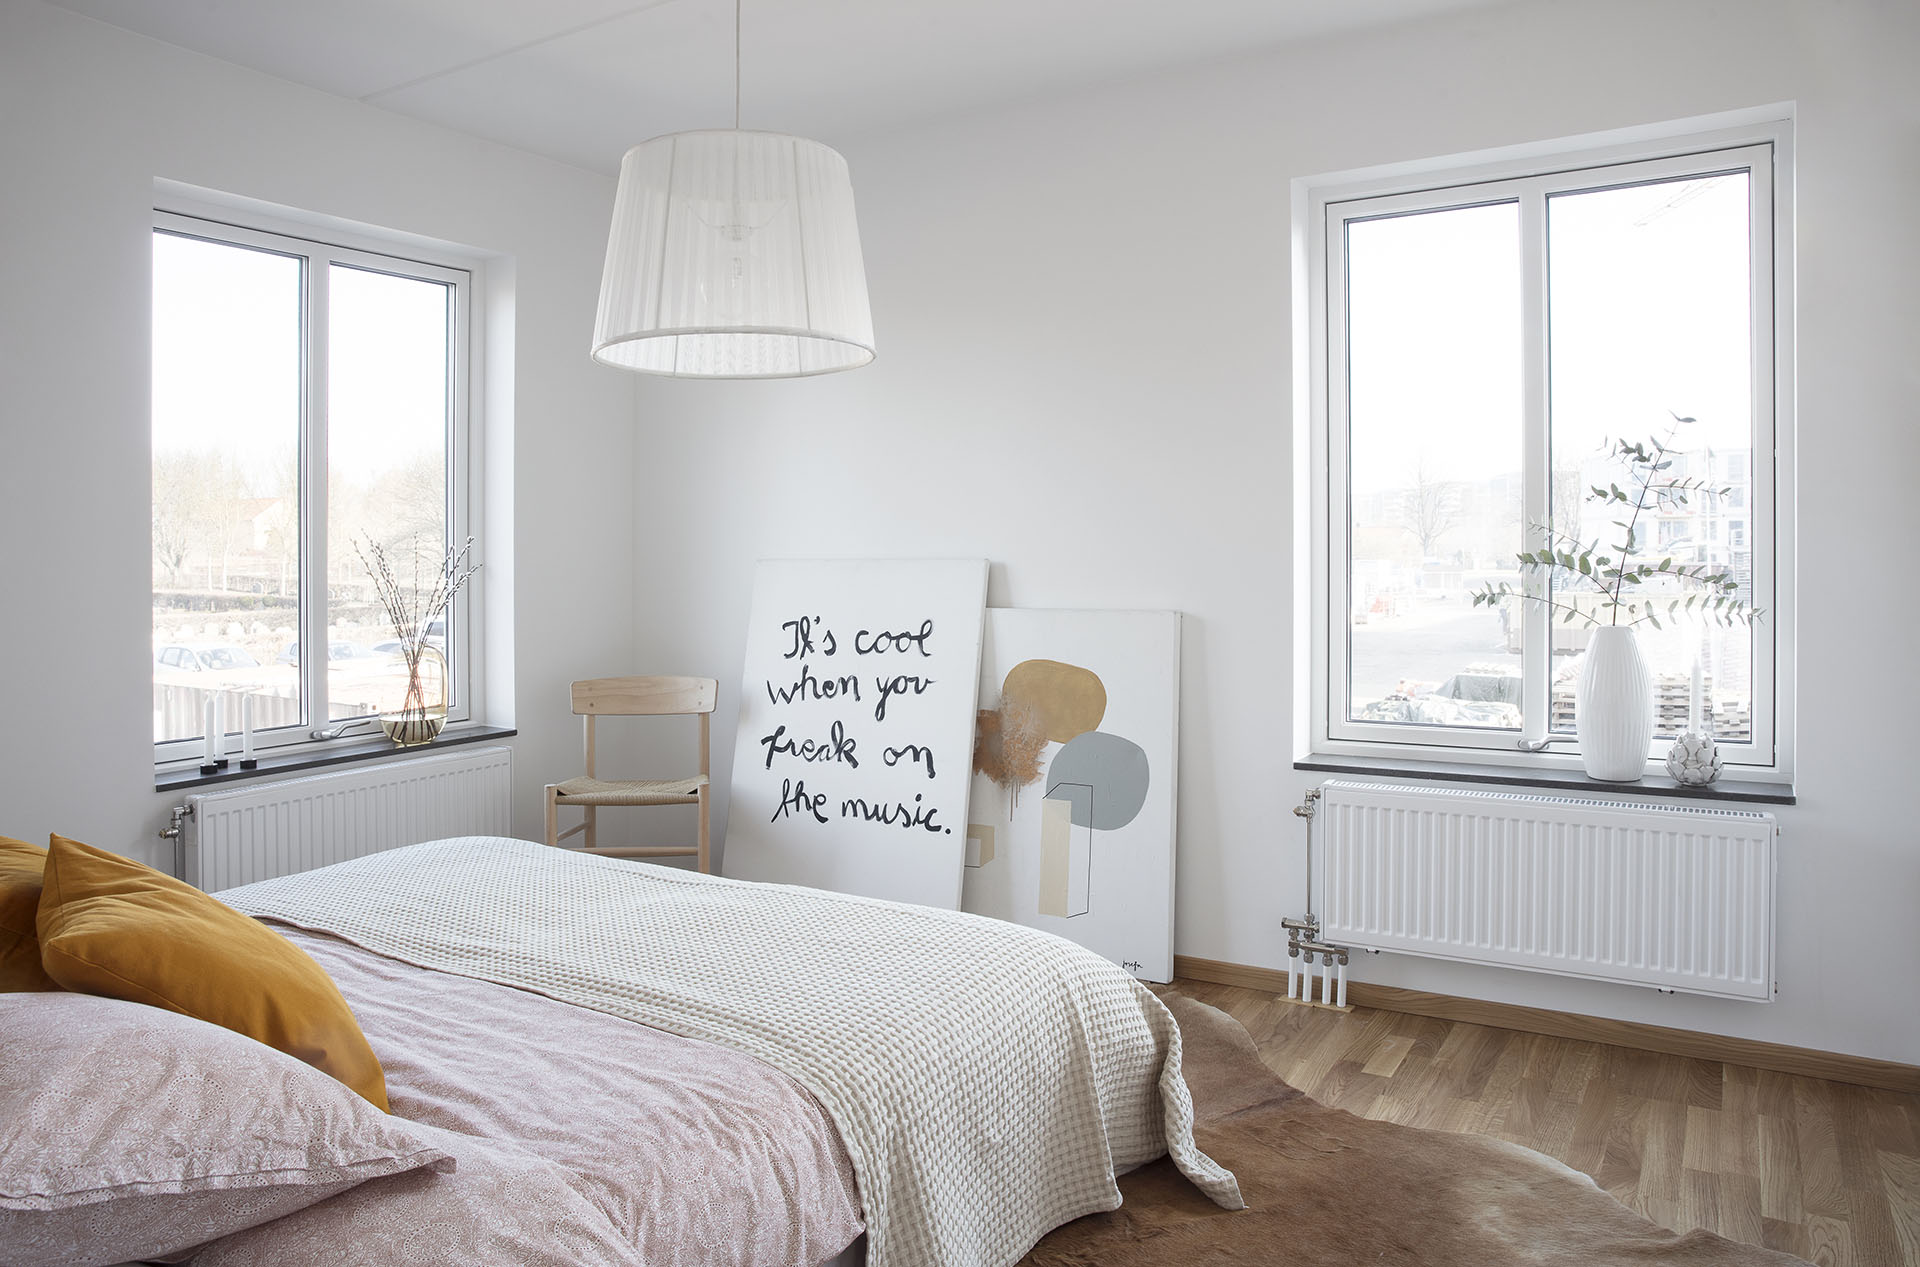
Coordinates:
[1694,759]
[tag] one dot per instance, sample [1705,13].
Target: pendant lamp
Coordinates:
[733,254]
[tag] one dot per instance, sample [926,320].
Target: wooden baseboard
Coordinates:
[1861,1070]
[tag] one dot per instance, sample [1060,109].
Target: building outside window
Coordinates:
[308,398]
[1481,339]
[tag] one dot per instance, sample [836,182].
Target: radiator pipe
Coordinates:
[176,831]
[1306,809]
[1303,937]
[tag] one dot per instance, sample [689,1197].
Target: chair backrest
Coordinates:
[644,696]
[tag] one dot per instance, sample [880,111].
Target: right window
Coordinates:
[1489,346]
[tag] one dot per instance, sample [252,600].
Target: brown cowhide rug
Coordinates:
[1327,1189]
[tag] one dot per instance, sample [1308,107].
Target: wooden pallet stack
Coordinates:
[1730,721]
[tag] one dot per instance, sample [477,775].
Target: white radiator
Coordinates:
[260,831]
[1679,899]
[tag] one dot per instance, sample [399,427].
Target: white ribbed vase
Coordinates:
[1613,706]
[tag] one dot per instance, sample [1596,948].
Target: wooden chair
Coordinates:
[636,697]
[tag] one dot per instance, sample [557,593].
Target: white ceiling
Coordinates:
[581,80]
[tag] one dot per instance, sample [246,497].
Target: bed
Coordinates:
[630,1063]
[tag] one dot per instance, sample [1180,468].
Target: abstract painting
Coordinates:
[1070,827]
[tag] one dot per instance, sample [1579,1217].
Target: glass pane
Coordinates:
[226,508]
[1434,438]
[1651,317]
[387,394]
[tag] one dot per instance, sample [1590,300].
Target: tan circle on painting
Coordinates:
[1068,699]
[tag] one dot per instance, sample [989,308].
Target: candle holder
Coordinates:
[247,760]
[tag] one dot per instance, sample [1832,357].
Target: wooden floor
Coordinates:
[1825,1170]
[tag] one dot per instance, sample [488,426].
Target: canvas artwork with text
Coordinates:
[1071,824]
[851,762]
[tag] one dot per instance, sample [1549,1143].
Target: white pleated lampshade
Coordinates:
[733,255]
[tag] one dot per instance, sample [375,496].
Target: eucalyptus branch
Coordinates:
[1716,595]
[1646,470]
[1493,595]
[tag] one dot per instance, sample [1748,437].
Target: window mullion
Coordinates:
[313,497]
[1536,655]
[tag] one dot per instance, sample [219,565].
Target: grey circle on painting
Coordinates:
[1103,776]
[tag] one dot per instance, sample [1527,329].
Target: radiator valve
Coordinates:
[1302,951]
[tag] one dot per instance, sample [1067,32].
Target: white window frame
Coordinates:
[228,226]
[1758,142]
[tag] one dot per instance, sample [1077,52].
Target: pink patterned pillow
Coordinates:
[132,1132]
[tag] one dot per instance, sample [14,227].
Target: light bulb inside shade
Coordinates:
[733,255]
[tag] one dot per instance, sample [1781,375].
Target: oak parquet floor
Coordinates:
[1825,1170]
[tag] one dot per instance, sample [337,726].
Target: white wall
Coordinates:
[90,116]
[1082,308]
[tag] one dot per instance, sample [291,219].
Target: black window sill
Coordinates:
[339,752]
[1726,789]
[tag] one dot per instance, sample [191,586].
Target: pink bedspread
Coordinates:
[582,1139]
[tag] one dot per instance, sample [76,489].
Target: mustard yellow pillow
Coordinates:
[21,865]
[109,925]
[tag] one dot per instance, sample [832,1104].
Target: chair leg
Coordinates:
[593,826]
[706,819]
[553,814]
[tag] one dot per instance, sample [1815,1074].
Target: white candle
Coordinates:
[246,727]
[220,726]
[1695,719]
[206,728]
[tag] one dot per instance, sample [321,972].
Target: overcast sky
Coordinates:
[1649,311]
[226,360]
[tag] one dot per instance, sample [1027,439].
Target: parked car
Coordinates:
[337,651]
[203,657]
[216,666]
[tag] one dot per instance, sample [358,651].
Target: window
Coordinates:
[307,397]
[1479,339]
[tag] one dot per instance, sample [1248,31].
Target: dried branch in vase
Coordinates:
[411,610]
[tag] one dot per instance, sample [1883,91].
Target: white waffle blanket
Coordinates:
[989,1081]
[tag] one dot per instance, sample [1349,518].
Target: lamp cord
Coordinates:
[736,65]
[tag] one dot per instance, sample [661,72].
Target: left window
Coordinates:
[308,399]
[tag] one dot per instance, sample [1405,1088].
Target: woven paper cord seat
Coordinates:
[585,791]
